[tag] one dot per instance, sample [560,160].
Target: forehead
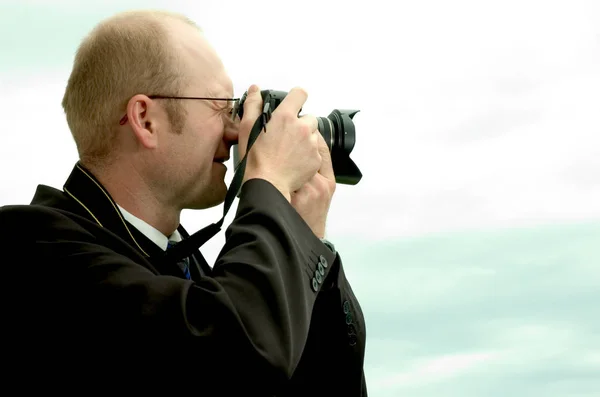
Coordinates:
[221,86]
[203,64]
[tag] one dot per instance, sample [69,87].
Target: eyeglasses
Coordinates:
[232,111]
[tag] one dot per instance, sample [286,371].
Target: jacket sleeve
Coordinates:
[245,328]
[333,360]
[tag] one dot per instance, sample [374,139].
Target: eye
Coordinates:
[228,112]
[233,109]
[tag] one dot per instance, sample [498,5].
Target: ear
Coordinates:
[142,118]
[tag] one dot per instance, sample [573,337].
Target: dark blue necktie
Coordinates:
[183,264]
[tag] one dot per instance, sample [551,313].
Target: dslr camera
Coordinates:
[337,129]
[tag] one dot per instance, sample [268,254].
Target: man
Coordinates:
[92,300]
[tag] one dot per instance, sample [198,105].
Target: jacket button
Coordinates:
[323,261]
[348,318]
[315,284]
[346,307]
[321,269]
[351,330]
[318,277]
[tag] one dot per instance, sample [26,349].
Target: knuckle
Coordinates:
[286,116]
[332,186]
[312,121]
[305,129]
[305,196]
[319,192]
[319,195]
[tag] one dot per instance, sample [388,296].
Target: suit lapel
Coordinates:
[99,206]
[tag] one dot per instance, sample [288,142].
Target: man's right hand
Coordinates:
[288,154]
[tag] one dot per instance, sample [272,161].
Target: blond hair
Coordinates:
[130,53]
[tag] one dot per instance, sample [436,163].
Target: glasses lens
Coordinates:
[234,110]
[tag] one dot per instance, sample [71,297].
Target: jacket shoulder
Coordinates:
[36,218]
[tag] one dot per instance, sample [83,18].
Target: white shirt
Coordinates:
[149,231]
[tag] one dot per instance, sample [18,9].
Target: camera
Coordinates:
[337,129]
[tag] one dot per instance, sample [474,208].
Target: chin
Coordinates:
[210,199]
[215,202]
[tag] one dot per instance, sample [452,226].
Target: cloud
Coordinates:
[435,369]
[491,313]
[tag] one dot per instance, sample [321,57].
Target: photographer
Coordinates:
[91,300]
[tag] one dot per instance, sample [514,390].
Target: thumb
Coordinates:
[252,110]
[326,165]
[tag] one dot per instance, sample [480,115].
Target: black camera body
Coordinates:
[337,129]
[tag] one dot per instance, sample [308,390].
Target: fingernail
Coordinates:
[253,88]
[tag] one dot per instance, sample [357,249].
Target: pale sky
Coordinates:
[473,239]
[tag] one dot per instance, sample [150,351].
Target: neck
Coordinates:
[131,191]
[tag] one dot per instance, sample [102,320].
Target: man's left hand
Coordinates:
[313,199]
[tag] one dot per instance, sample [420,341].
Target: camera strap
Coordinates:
[188,246]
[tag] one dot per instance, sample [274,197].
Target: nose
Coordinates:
[230,136]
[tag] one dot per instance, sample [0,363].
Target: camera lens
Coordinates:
[326,129]
[340,134]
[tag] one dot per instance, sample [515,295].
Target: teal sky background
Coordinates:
[473,241]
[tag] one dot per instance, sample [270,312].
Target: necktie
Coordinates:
[183,264]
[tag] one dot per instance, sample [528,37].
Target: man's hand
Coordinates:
[313,199]
[288,155]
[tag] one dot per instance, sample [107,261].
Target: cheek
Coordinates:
[204,141]
[212,133]
[204,135]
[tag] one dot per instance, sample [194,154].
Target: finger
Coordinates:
[326,168]
[293,101]
[306,185]
[310,121]
[252,110]
[305,194]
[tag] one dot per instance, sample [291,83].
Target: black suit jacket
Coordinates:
[89,306]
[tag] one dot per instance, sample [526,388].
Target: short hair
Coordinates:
[127,54]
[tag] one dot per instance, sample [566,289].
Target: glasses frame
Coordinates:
[236,101]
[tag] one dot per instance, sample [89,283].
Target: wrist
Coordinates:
[279,186]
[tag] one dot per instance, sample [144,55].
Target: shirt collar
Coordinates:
[149,231]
